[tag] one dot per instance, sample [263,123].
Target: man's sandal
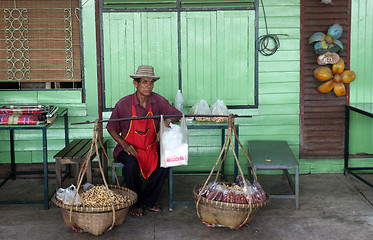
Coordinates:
[156,208]
[137,212]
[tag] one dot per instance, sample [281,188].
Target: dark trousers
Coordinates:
[134,181]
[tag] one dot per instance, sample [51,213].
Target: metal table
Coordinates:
[43,127]
[365,109]
[203,125]
[276,155]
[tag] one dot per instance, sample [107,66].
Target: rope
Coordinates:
[229,140]
[83,169]
[264,41]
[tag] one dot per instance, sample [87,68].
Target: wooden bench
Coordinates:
[75,153]
[276,155]
[114,169]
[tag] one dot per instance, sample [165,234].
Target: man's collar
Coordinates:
[137,102]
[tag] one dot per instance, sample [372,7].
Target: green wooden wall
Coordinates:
[361,90]
[277,116]
[217,54]
[28,143]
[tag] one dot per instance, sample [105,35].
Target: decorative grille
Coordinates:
[40,44]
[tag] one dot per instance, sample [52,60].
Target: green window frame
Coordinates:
[209,54]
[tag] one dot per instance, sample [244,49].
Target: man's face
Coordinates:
[145,86]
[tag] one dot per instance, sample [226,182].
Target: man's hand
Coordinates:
[167,122]
[128,148]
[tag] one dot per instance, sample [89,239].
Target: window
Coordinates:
[207,50]
[40,42]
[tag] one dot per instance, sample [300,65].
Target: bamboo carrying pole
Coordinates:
[231,129]
[164,116]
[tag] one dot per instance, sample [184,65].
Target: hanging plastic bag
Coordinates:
[67,195]
[201,108]
[174,144]
[219,108]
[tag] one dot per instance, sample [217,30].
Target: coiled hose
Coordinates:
[265,42]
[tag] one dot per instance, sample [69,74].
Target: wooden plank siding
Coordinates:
[277,115]
[276,118]
[28,144]
[361,127]
[322,115]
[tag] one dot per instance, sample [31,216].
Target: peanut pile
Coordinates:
[98,197]
[203,119]
[219,119]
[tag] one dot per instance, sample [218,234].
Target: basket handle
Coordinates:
[243,177]
[83,170]
[247,156]
[229,139]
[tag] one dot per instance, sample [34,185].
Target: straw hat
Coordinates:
[145,71]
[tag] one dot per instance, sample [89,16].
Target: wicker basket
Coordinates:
[97,220]
[221,214]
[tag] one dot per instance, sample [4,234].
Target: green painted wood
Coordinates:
[40,97]
[283,22]
[140,4]
[25,145]
[361,128]
[277,117]
[159,49]
[9,97]
[117,81]
[46,97]
[118,4]
[278,66]
[280,98]
[361,132]
[88,34]
[28,143]
[216,55]
[275,77]
[20,157]
[283,87]
[361,50]
[134,39]
[199,56]
[269,120]
[37,156]
[283,55]
[235,48]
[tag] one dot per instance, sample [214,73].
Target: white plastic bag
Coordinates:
[67,195]
[219,108]
[201,108]
[174,144]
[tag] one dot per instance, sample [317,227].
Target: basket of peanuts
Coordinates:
[94,208]
[94,213]
[229,204]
